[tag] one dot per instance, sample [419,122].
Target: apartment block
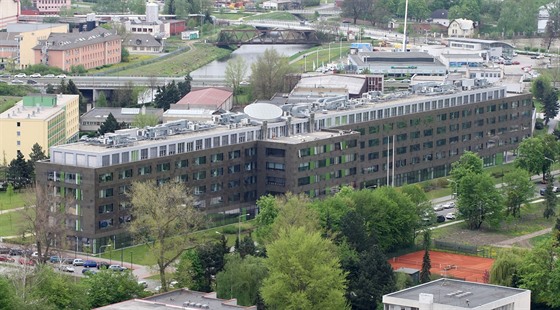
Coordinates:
[90,49]
[312,148]
[9,12]
[50,7]
[49,120]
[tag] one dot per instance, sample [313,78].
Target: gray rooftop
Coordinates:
[119,113]
[140,39]
[65,41]
[481,41]
[8,39]
[455,293]
[23,27]
[353,83]
[178,299]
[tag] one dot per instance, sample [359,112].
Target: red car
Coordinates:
[515,62]
[5,258]
[25,261]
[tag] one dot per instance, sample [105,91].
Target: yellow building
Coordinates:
[28,36]
[45,119]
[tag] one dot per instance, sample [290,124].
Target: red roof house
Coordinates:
[210,98]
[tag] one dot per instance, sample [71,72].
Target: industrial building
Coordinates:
[310,147]
[45,119]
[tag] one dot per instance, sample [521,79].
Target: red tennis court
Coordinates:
[469,268]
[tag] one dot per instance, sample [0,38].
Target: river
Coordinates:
[216,69]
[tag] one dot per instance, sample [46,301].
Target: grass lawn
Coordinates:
[285,16]
[141,253]
[11,223]
[16,201]
[179,65]
[7,102]
[320,54]
[133,59]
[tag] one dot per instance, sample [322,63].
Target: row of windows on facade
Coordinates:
[172,149]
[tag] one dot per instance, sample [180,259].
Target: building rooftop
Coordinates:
[140,39]
[119,113]
[440,14]
[25,27]
[8,39]
[38,110]
[456,293]
[210,96]
[179,299]
[66,41]
[481,41]
[353,83]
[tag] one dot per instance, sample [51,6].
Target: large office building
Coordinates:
[311,147]
[45,119]
[9,12]
[449,294]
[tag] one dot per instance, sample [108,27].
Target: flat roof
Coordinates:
[353,84]
[24,27]
[96,113]
[20,112]
[452,292]
[478,41]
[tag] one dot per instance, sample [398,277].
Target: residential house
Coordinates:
[461,27]
[440,17]
[137,43]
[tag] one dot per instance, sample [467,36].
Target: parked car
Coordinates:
[78,262]
[5,76]
[116,268]
[20,75]
[14,252]
[450,216]
[26,261]
[61,76]
[142,283]
[90,263]
[449,205]
[439,208]
[103,265]
[89,271]
[68,261]
[515,62]
[4,250]
[32,82]
[35,75]
[54,259]
[6,258]
[440,219]
[64,268]
[18,82]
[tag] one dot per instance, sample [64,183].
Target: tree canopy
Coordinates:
[267,74]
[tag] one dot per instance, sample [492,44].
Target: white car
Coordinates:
[35,75]
[78,262]
[439,208]
[61,76]
[65,268]
[449,205]
[450,216]
[20,75]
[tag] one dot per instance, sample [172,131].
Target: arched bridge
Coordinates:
[267,36]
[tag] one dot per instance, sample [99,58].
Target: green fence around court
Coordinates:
[456,247]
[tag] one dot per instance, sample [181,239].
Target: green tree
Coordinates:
[417,9]
[355,9]
[108,287]
[50,89]
[144,120]
[423,205]
[550,105]
[109,125]
[540,273]
[517,190]
[72,89]
[137,6]
[304,273]
[425,274]
[537,154]
[125,55]
[294,211]
[479,201]
[241,279]
[246,247]
[469,163]
[513,16]
[125,96]
[268,211]
[8,298]
[540,86]
[201,266]
[101,100]
[550,199]
[184,87]
[57,291]
[468,9]
[236,69]
[331,211]
[161,212]
[36,154]
[19,171]
[166,95]
[267,74]
[506,266]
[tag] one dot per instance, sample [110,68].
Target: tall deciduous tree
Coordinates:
[241,279]
[304,273]
[469,163]
[540,86]
[267,74]
[57,291]
[479,201]
[537,154]
[422,203]
[550,199]
[356,9]
[101,100]
[517,189]
[160,213]
[417,9]
[550,105]
[468,9]
[506,267]
[143,120]
[540,273]
[236,69]
[268,211]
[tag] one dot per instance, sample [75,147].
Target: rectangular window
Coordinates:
[216,172]
[199,161]
[214,158]
[105,193]
[163,167]
[415,135]
[275,166]
[428,132]
[200,175]
[181,164]
[108,208]
[125,174]
[275,152]
[234,154]
[145,170]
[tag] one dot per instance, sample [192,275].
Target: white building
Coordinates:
[448,294]
[460,27]
[9,12]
